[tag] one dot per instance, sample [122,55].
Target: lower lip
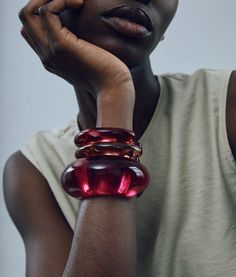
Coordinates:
[127,27]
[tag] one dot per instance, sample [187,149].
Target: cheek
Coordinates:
[171,9]
[89,26]
[82,22]
[68,19]
[166,11]
[169,6]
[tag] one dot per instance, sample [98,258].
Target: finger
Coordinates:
[63,41]
[50,19]
[27,37]
[31,21]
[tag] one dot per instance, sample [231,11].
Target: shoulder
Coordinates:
[35,213]
[201,73]
[51,150]
[231,113]
[27,194]
[203,80]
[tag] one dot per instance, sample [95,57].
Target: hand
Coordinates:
[62,53]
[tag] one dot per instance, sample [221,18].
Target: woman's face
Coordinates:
[88,24]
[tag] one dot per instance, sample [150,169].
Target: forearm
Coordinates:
[104,243]
[112,107]
[115,106]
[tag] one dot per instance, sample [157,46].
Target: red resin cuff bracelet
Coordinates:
[104,135]
[107,165]
[110,149]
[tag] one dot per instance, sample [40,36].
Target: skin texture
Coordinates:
[52,249]
[135,54]
[131,51]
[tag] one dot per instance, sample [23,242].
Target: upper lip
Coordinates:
[134,14]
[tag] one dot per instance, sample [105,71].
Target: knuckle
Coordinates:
[46,63]
[43,10]
[23,14]
[23,32]
[58,47]
[48,68]
[47,58]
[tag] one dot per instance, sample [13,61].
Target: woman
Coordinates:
[184,223]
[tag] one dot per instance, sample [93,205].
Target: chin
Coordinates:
[126,51]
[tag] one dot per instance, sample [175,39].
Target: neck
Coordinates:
[147,91]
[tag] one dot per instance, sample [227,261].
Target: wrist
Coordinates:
[125,85]
[107,164]
[118,113]
[115,106]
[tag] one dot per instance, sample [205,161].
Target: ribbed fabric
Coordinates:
[186,219]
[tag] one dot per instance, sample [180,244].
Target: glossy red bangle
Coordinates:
[100,134]
[109,173]
[114,176]
[110,149]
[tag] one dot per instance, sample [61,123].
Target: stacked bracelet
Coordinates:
[107,165]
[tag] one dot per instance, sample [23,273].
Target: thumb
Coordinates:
[74,4]
[49,13]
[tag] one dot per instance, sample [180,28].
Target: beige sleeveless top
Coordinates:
[186,219]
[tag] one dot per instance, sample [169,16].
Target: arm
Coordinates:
[231,113]
[104,241]
[46,234]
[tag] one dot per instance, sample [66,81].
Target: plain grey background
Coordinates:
[202,35]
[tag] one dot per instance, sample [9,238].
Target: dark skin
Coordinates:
[143,105]
[49,241]
[134,53]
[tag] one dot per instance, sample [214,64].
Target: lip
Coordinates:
[131,21]
[126,27]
